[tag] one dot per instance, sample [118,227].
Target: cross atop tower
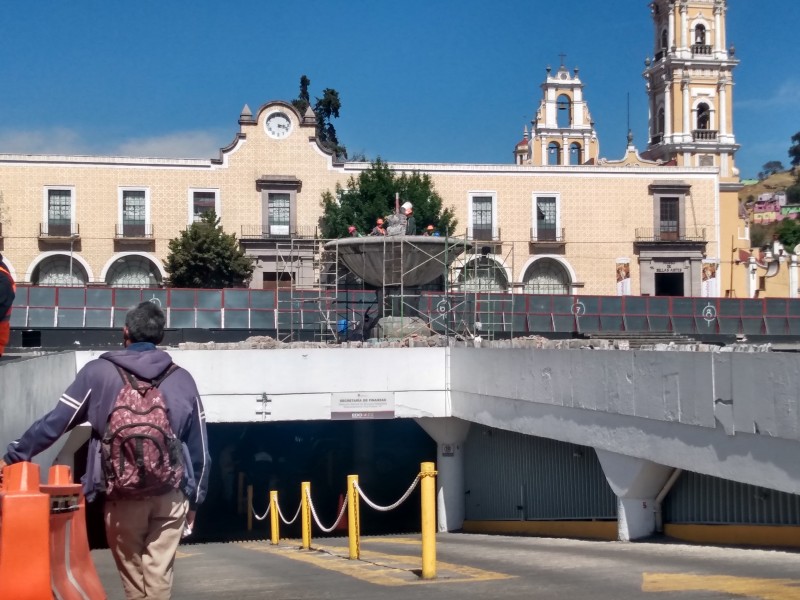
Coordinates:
[563,56]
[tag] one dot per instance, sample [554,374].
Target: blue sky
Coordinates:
[420,81]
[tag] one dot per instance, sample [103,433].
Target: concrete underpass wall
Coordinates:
[729,415]
[31,388]
[300,383]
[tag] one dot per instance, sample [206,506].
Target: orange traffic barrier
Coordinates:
[73,574]
[24,537]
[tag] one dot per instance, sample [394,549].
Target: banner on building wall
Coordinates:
[709,286]
[623,277]
[362,405]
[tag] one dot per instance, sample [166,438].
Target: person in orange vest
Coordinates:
[8,291]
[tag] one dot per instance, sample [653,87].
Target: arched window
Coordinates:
[554,153]
[660,121]
[133,271]
[700,35]
[59,270]
[483,274]
[575,154]
[564,112]
[703,116]
[547,276]
[664,39]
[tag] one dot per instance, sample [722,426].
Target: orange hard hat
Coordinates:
[380,221]
[351,229]
[430,227]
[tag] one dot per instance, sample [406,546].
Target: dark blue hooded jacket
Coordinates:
[90,398]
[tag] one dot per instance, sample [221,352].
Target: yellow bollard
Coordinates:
[428,494]
[249,508]
[274,519]
[305,510]
[353,518]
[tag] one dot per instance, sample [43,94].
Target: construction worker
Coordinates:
[378,229]
[352,231]
[411,225]
[429,230]
[8,290]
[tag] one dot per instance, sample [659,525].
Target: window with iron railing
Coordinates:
[134,213]
[546,218]
[59,213]
[482,224]
[669,221]
[279,214]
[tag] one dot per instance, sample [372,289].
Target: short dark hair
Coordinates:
[145,323]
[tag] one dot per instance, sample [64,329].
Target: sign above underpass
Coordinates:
[362,405]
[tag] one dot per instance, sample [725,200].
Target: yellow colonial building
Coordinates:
[557,218]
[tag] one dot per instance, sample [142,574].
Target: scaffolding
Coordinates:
[456,287]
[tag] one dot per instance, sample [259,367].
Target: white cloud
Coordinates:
[181,144]
[57,140]
[60,140]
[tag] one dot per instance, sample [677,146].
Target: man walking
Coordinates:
[8,290]
[143,529]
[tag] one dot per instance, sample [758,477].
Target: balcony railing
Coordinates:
[688,234]
[58,230]
[484,234]
[279,232]
[704,135]
[134,231]
[547,235]
[702,49]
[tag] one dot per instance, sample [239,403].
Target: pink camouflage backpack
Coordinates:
[140,453]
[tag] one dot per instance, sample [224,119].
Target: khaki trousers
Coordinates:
[143,536]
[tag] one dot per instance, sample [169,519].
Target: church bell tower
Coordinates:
[690,86]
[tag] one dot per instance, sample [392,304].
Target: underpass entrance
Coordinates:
[385,454]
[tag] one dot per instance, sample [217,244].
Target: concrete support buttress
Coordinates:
[449,434]
[636,482]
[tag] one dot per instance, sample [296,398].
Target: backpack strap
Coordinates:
[128,377]
[167,372]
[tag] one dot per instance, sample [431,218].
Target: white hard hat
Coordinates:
[406,205]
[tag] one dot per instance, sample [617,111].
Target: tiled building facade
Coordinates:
[556,219]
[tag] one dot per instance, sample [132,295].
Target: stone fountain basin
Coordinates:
[410,260]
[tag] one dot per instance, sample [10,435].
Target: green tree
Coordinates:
[302,102]
[770,168]
[794,150]
[326,109]
[788,232]
[793,193]
[204,256]
[372,195]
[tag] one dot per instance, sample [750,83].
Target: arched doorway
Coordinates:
[547,276]
[133,270]
[483,274]
[59,270]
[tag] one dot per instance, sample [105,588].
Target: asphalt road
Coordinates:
[474,566]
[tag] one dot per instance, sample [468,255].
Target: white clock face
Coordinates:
[278,125]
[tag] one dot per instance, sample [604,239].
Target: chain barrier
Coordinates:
[294,518]
[253,510]
[391,506]
[316,518]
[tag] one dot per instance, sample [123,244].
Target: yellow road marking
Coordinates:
[180,554]
[767,589]
[380,568]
